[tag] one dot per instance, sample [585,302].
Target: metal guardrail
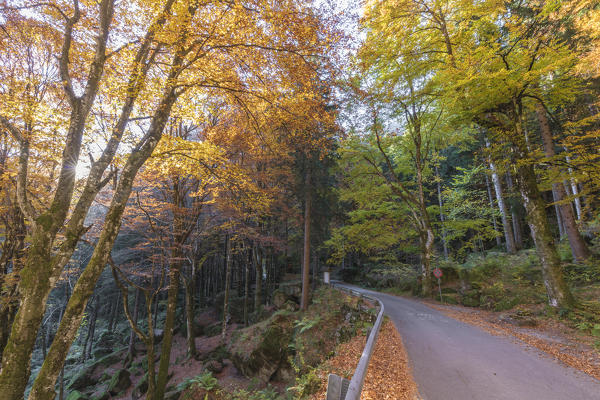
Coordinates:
[356,383]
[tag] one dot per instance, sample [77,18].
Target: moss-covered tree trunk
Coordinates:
[579,248]
[167,342]
[83,290]
[559,294]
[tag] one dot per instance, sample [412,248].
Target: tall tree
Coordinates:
[204,59]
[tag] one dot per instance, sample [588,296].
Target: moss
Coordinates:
[119,382]
[76,395]
[45,221]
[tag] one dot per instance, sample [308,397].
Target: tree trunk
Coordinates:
[92,331]
[227,287]
[259,279]
[506,223]
[516,219]
[131,346]
[427,240]
[306,253]
[579,248]
[246,287]
[34,288]
[491,199]
[575,191]
[559,294]
[11,262]
[167,342]
[113,315]
[189,315]
[559,219]
[61,388]
[441,204]
[315,270]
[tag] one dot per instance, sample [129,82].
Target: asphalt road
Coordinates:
[452,360]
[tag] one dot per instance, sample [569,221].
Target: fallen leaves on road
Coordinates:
[389,376]
[570,354]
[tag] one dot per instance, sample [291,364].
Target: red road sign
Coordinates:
[437,273]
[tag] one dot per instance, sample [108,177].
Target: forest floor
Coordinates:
[388,377]
[549,335]
[182,367]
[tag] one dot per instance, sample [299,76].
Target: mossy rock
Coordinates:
[77,395]
[109,359]
[293,288]
[82,380]
[173,395]
[102,396]
[141,388]
[279,298]
[120,381]
[261,349]
[105,377]
[219,354]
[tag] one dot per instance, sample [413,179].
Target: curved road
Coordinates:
[452,360]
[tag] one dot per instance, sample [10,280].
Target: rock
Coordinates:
[100,395]
[290,305]
[174,395]
[108,359]
[140,389]
[77,395]
[279,298]
[292,288]
[214,366]
[82,380]
[119,382]
[260,350]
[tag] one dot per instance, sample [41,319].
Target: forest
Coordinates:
[177,174]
